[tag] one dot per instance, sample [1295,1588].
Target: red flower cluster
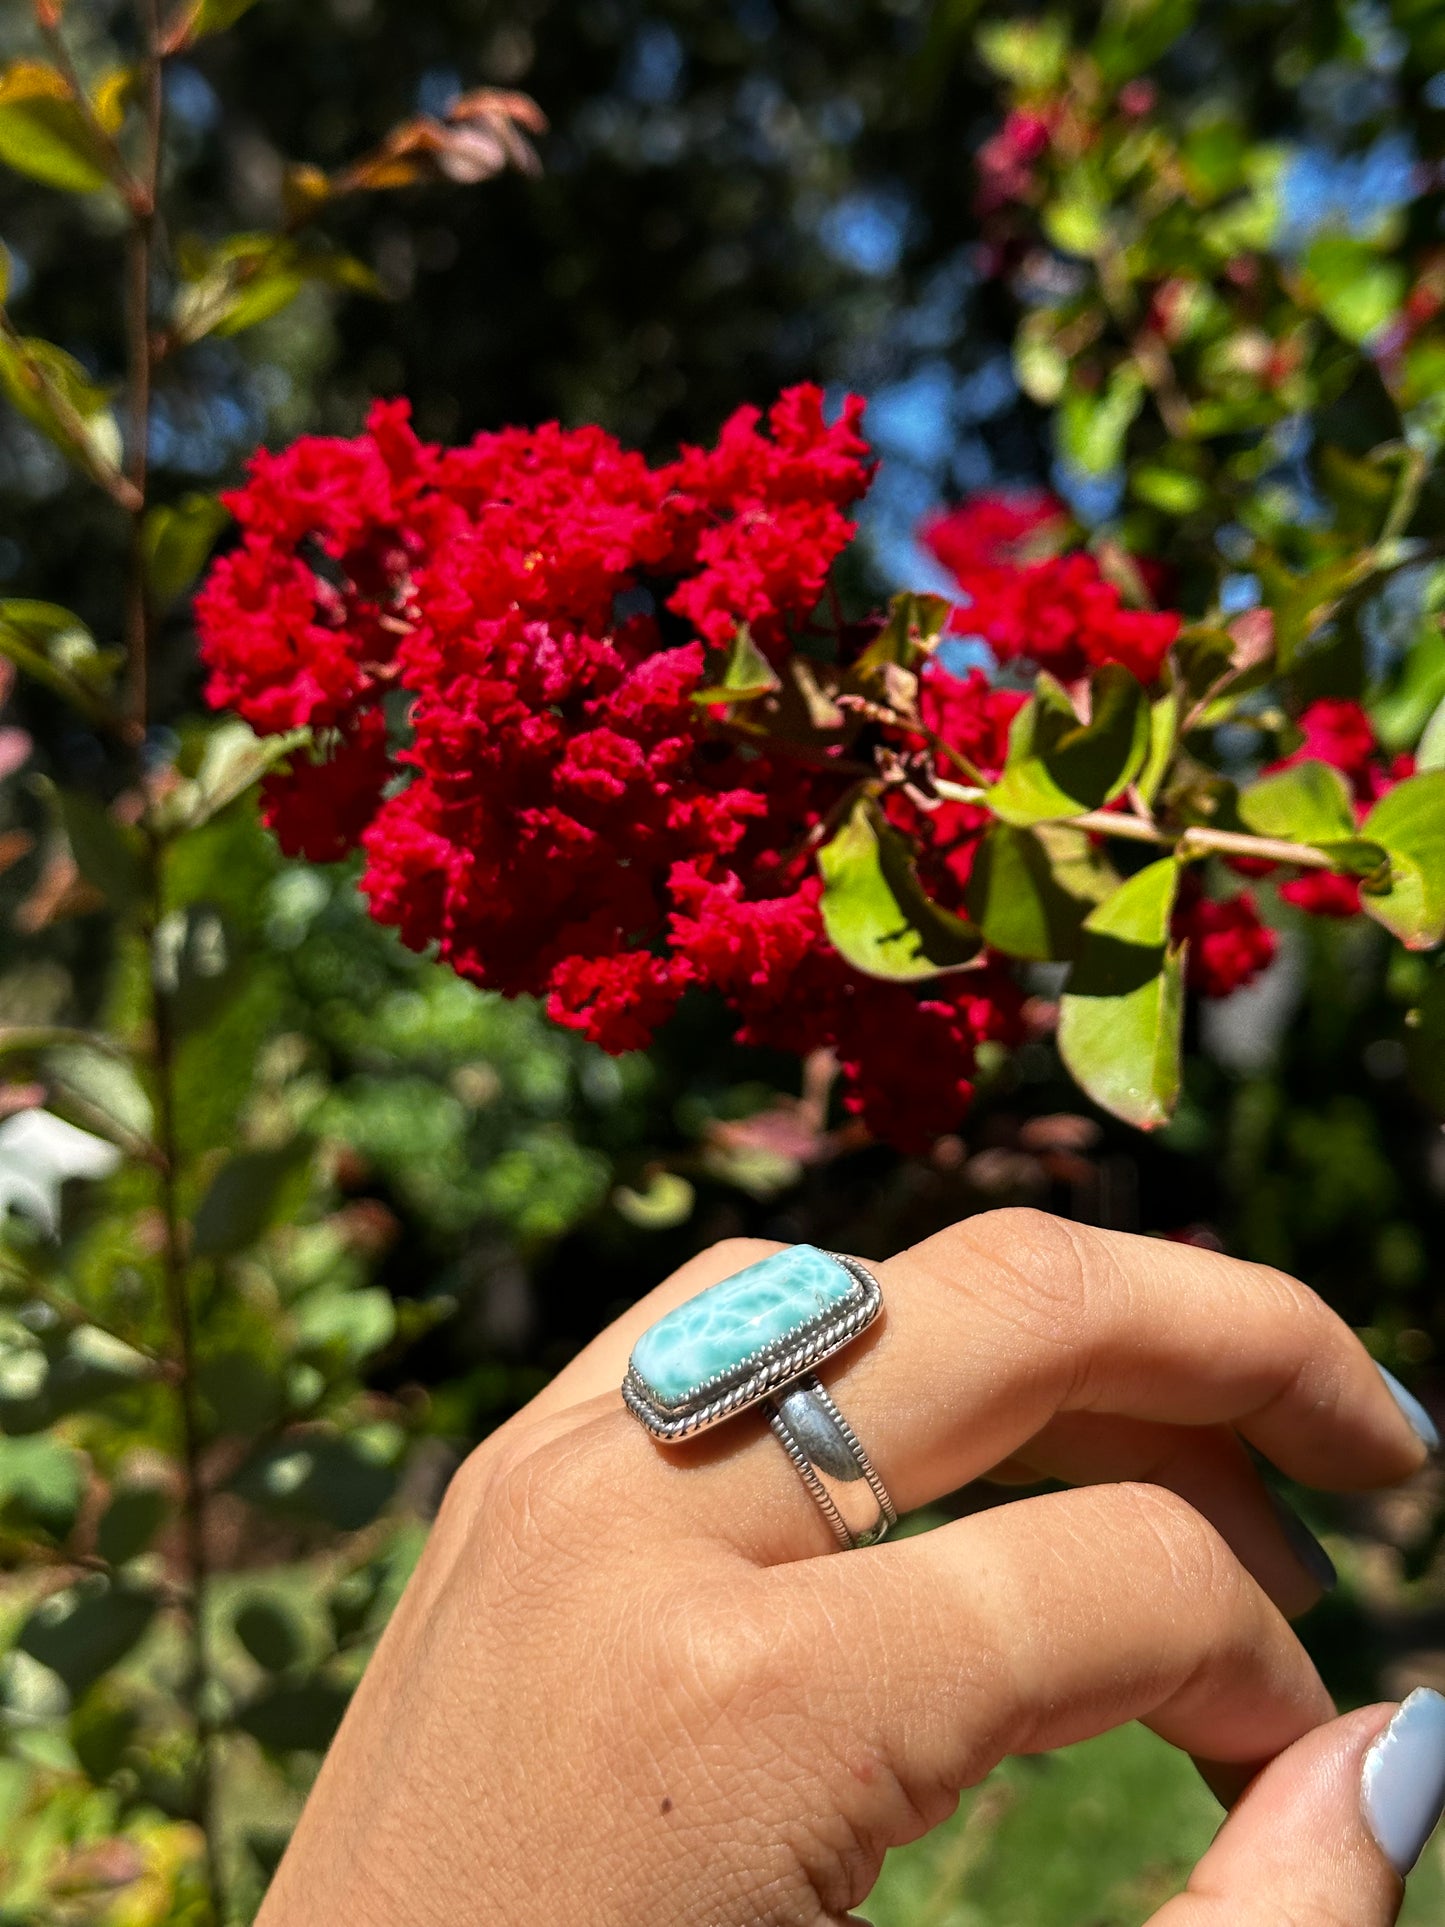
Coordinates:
[1338,732]
[1008,160]
[1228,945]
[1027,600]
[500,645]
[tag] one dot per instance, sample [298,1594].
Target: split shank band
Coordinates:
[755,1339]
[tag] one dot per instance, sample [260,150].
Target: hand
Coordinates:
[624,1689]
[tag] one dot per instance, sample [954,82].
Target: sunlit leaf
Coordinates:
[746,674]
[43,131]
[1058,766]
[1307,803]
[54,392]
[874,908]
[1121,1017]
[1019,895]
[54,646]
[1409,822]
[1430,753]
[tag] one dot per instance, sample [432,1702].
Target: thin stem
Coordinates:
[139,244]
[134,193]
[139,625]
[175,1276]
[1196,840]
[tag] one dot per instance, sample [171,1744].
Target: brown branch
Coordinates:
[1196,840]
[139,244]
[134,193]
[175,1267]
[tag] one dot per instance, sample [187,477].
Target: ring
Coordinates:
[754,1339]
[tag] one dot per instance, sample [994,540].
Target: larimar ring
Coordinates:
[754,1339]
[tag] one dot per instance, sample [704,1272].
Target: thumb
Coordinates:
[1329,1829]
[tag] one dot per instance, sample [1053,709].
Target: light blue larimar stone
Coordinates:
[725,1325]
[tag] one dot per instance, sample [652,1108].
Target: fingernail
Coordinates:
[1304,1545]
[1421,1423]
[1403,1789]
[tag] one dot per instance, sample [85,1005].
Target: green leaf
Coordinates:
[251,277]
[269,1634]
[1030,53]
[1307,803]
[84,1630]
[55,647]
[1356,857]
[915,622]
[344,1478]
[288,1718]
[41,1482]
[1409,823]
[1356,291]
[1060,767]
[1134,34]
[1302,604]
[177,539]
[747,673]
[1164,720]
[130,1521]
[194,963]
[346,1325]
[1430,754]
[107,853]
[1018,891]
[101,1728]
[52,390]
[667,1201]
[874,908]
[1091,425]
[215,16]
[246,1197]
[1121,1018]
[43,132]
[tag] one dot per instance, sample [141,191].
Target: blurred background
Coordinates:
[434,1198]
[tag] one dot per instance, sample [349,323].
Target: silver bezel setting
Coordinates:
[749,1382]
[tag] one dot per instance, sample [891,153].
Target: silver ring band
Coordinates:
[831,1462]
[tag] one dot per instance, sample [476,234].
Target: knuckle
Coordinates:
[1195,1554]
[724,1661]
[1048,1264]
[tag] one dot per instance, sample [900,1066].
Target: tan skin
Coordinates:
[631,1686]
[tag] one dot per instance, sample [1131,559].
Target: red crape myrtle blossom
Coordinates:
[498,648]
[1338,732]
[1228,944]
[1027,602]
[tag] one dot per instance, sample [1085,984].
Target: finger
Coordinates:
[1037,1625]
[602,1365]
[1326,1831]
[994,1328]
[1206,1465]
